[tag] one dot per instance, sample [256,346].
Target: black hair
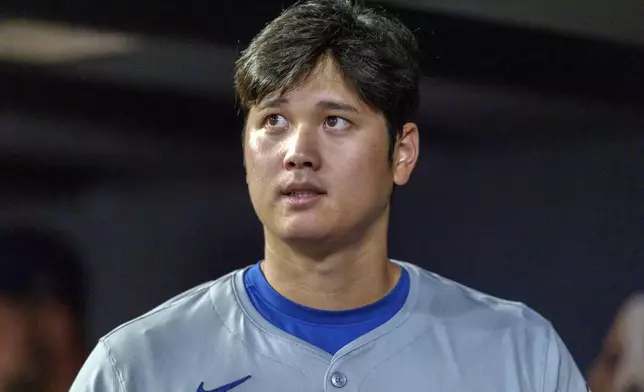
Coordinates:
[38,265]
[377,55]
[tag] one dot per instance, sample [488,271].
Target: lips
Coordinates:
[302,190]
[301,199]
[302,193]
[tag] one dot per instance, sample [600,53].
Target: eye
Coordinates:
[336,123]
[275,122]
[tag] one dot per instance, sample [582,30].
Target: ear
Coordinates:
[405,154]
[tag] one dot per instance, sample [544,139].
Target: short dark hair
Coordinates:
[378,56]
[37,265]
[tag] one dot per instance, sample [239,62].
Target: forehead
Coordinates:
[324,82]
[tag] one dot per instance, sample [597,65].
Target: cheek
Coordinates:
[262,165]
[366,173]
[372,162]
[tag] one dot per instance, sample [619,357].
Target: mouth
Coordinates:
[307,193]
[302,197]
[302,189]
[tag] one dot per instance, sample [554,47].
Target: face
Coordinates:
[317,163]
[620,365]
[19,370]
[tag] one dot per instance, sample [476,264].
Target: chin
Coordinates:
[303,232]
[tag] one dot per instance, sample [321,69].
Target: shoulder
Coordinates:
[480,326]
[162,345]
[179,316]
[508,330]
[451,302]
[181,329]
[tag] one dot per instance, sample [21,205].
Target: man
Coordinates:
[620,365]
[41,312]
[328,89]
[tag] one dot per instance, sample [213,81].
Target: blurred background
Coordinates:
[118,126]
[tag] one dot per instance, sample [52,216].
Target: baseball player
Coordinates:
[329,89]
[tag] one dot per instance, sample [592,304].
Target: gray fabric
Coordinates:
[446,337]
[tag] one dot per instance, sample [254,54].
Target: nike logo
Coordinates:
[226,387]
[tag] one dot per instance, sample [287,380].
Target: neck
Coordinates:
[350,277]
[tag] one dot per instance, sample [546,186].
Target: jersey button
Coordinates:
[338,380]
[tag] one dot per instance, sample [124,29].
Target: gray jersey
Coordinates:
[446,337]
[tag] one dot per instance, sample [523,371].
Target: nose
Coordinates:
[303,150]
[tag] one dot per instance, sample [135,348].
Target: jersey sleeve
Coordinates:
[99,373]
[561,373]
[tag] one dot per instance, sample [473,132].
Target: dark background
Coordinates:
[530,184]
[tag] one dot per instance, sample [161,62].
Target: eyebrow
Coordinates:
[326,104]
[333,105]
[273,103]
